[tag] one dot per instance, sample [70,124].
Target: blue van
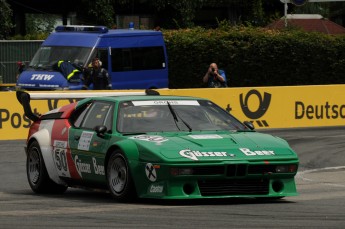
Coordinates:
[135,59]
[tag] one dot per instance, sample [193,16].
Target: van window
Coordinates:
[102,55]
[136,59]
[47,56]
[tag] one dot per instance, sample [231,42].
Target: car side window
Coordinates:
[79,115]
[99,113]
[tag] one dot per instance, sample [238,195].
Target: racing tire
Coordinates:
[37,174]
[119,179]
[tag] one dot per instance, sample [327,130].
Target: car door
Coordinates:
[87,148]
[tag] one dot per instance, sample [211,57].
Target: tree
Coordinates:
[185,10]
[40,23]
[100,12]
[5,19]
[171,13]
[313,8]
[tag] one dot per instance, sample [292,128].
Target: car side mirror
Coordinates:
[248,124]
[100,130]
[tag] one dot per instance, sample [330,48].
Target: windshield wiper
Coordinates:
[176,119]
[174,115]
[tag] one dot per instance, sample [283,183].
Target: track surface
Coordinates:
[320,182]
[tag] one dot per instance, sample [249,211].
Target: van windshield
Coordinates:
[47,56]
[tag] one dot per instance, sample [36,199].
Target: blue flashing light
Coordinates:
[81,28]
[131,25]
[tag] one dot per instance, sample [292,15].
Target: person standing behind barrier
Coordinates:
[97,76]
[20,68]
[215,77]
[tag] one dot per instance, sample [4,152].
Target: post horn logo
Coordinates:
[264,103]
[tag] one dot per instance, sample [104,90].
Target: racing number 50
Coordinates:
[60,159]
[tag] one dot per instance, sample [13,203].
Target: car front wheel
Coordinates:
[37,172]
[119,178]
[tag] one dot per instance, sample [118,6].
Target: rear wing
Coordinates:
[25,97]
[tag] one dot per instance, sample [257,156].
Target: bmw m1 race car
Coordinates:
[154,146]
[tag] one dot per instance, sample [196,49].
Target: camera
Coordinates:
[213,70]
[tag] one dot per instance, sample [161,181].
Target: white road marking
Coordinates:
[301,175]
[85,209]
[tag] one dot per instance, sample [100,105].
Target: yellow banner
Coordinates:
[279,107]
[266,107]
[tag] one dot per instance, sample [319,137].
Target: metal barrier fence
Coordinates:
[12,51]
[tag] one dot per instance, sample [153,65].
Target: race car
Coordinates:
[154,146]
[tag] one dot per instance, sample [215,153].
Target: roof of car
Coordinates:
[146,97]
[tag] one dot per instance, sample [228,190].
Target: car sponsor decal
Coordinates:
[206,136]
[248,152]
[61,154]
[165,102]
[150,172]
[150,138]
[195,154]
[60,144]
[60,158]
[85,140]
[82,167]
[85,167]
[99,169]
[156,188]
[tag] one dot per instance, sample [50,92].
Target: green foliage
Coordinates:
[254,56]
[185,10]
[99,12]
[321,8]
[40,23]
[32,36]
[5,19]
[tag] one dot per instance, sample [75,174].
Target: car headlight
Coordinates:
[286,168]
[181,171]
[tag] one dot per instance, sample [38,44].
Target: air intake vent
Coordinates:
[233,187]
[239,170]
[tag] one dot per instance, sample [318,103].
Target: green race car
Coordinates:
[153,146]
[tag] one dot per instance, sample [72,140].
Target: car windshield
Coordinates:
[174,115]
[47,56]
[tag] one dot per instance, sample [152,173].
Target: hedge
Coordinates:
[255,56]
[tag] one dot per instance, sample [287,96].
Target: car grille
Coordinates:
[209,170]
[235,170]
[233,187]
[261,169]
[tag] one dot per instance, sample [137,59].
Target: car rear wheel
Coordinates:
[37,172]
[119,178]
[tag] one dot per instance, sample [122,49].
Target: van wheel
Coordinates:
[119,178]
[37,174]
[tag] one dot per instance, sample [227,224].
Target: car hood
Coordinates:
[215,146]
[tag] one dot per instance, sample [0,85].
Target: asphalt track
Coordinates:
[320,182]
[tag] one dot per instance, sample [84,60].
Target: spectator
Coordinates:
[97,76]
[20,68]
[215,77]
